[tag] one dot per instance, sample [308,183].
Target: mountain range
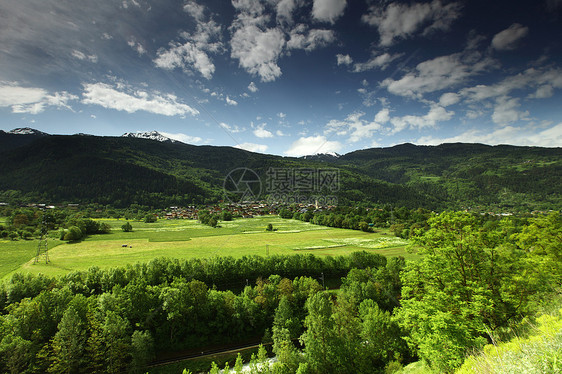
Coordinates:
[152,170]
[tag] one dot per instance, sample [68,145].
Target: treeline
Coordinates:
[212,219]
[117,320]
[402,221]
[477,279]
[475,284]
[29,223]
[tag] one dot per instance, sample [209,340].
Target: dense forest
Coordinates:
[124,171]
[478,278]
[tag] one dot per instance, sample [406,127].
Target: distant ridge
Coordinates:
[151,135]
[329,156]
[120,171]
[19,137]
[27,131]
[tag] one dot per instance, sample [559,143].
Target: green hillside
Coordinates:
[121,171]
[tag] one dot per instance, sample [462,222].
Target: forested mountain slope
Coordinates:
[120,171]
[468,173]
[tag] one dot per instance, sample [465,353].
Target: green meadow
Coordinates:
[188,239]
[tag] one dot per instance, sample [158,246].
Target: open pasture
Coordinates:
[188,239]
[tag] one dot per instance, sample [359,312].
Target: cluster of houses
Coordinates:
[244,210]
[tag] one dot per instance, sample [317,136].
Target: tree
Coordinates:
[73,233]
[319,337]
[127,227]
[542,242]
[16,353]
[149,218]
[213,222]
[69,343]
[226,216]
[118,342]
[462,288]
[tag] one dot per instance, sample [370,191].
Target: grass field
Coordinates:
[188,239]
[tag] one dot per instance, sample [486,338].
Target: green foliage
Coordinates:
[209,219]
[469,282]
[69,343]
[73,233]
[226,216]
[126,171]
[127,227]
[149,218]
[540,352]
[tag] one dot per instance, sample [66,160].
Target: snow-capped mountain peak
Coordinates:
[328,156]
[152,135]
[26,131]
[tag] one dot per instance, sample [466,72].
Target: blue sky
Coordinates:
[286,77]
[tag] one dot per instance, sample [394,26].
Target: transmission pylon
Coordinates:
[43,246]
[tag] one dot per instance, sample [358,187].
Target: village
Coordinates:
[238,210]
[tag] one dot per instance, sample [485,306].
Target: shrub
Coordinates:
[127,227]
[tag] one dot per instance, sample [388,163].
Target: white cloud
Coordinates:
[82,56]
[231,129]
[312,145]
[279,133]
[543,92]
[182,137]
[357,128]
[32,100]
[10,94]
[281,115]
[344,59]
[383,116]
[258,50]
[508,38]
[261,132]
[328,10]
[258,45]
[229,101]
[195,10]
[285,9]
[252,147]
[194,53]
[435,114]
[523,136]
[302,38]
[137,47]
[252,87]
[129,100]
[375,62]
[401,21]
[437,74]
[449,98]
[506,112]
[529,78]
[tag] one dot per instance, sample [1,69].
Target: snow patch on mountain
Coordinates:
[152,135]
[27,131]
[328,156]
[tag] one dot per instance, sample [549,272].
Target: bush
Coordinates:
[74,233]
[127,227]
[149,218]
